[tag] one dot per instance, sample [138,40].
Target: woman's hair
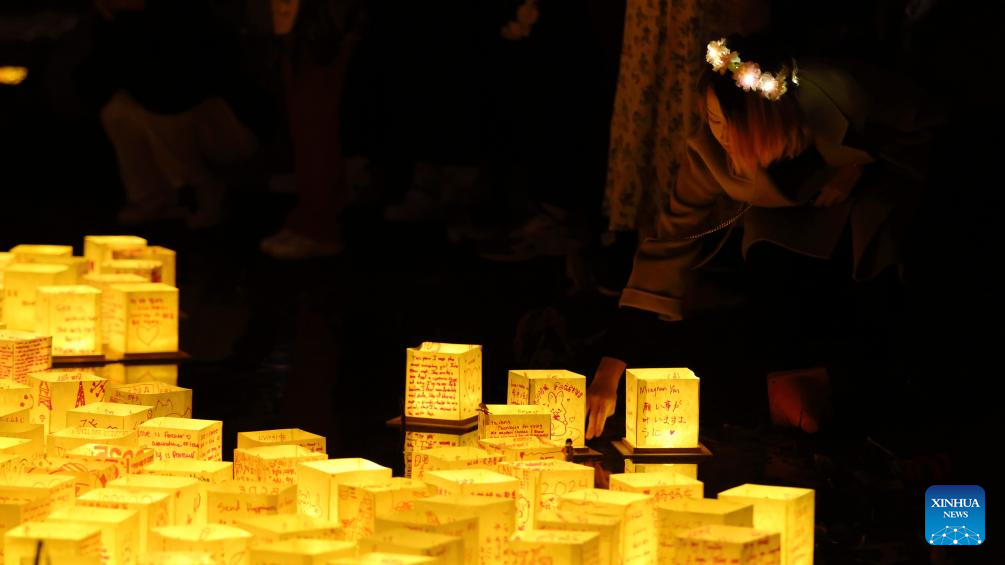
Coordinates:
[760,131]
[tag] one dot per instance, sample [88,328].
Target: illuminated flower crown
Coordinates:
[748,75]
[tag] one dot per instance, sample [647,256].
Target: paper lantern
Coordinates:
[21,353]
[379,558]
[109,415]
[786,510]
[275,464]
[637,514]
[72,316]
[176,558]
[524,448]
[679,516]
[447,458]
[15,416]
[689,470]
[59,488]
[102,283]
[727,544]
[563,392]
[21,282]
[29,253]
[447,550]
[120,530]
[317,483]
[361,501]
[424,521]
[183,438]
[496,520]
[287,436]
[6,258]
[662,408]
[285,527]
[142,318]
[163,399]
[301,552]
[228,502]
[476,482]
[607,528]
[71,438]
[61,542]
[87,475]
[209,472]
[128,460]
[16,509]
[185,494]
[150,271]
[57,392]
[555,546]
[504,420]
[225,544]
[663,487]
[443,381]
[34,434]
[15,446]
[542,483]
[99,248]
[162,255]
[416,440]
[76,265]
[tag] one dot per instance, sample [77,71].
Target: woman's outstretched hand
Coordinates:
[602,395]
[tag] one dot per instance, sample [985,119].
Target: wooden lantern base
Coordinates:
[431,425]
[670,454]
[137,358]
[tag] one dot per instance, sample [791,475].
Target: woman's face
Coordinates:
[716,121]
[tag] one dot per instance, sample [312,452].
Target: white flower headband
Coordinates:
[748,75]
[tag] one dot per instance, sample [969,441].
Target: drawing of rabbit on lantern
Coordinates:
[564,392]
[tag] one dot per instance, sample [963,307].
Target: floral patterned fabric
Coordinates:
[662,56]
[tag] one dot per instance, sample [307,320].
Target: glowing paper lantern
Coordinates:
[496,520]
[228,502]
[87,475]
[447,458]
[687,469]
[67,439]
[727,544]
[555,546]
[15,395]
[22,353]
[99,248]
[524,448]
[209,472]
[608,528]
[72,316]
[225,544]
[150,271]
[142,318]
[504,420]
[185,494]
[61,542]
[663,487]
[476,482]
[15,416]
[542,483]
[102,283]
[163,255]
[419,440]
[636,512]
[34,434]
[275,464]
[287,436]
[443,381]
[360,502]
[58,489]
[57,392]
[164,400]
[183,438]
[120,530]
[317,483]
[679,516]
[21,282]
[109,415]
[15,446]
[562,392]
[285,527]
[127,459]
[301,552]
[77,266]
[380,558]
[786,510]
[662,408]
[29,253]
[177,558]
[446,549]
[16,509]
[424,521]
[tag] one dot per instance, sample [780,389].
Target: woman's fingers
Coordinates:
[599,410]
